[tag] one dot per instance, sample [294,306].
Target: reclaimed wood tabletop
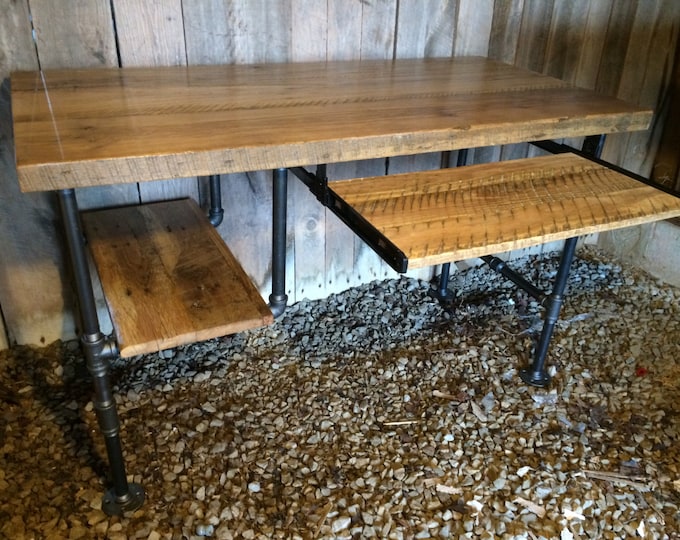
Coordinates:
[77,128]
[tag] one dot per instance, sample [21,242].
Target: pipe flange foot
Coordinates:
[540,379]
[112,505]
[277,304]
[446,298]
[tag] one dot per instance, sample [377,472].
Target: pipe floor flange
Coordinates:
[277,304]
[535,378]
[114,506]
[445,299]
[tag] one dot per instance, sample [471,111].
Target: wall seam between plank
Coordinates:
[396,30]
[519,33]
[115,33]
[184,36]
[361,33]
[454,29]
[34,34]
[197,179]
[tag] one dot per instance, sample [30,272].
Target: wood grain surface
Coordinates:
[95,127]
[168,277]
[454,214]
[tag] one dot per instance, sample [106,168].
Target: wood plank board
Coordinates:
[149,36]
[78,34]
[168,277]
[432,37]
[97,127]
[455,214]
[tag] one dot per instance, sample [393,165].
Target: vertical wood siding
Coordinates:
[666,168]
[625,49]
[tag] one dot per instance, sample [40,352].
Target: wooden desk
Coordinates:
[82,128]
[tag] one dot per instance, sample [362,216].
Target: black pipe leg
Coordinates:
[216,212]
[97,349]
[278,298]
[124,496]
[441,291]
[536,374]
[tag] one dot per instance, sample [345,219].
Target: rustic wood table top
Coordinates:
[90,127]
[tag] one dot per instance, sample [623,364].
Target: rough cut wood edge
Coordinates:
[159,294]
[53,176]
[501,206]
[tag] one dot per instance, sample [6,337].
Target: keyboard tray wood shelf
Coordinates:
[168,277]
[440,216]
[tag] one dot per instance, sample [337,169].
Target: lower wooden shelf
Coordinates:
[440,216]
[168,277]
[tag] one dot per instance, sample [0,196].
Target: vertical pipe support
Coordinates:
[278,298]
[123,496]
[441,292]
[536,374]
[216,212]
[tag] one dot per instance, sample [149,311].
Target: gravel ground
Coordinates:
[373,413]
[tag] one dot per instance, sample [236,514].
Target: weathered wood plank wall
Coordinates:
[666,168]
[620,48]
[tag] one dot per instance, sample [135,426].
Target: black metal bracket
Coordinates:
[593,145]
[320,188]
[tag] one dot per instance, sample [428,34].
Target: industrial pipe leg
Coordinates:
[278,298]
[536,374]
[442,292]
[97,349]
[216,212]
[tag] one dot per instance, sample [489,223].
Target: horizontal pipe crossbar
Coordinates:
[502,268]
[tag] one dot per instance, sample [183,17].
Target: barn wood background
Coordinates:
[622,48]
